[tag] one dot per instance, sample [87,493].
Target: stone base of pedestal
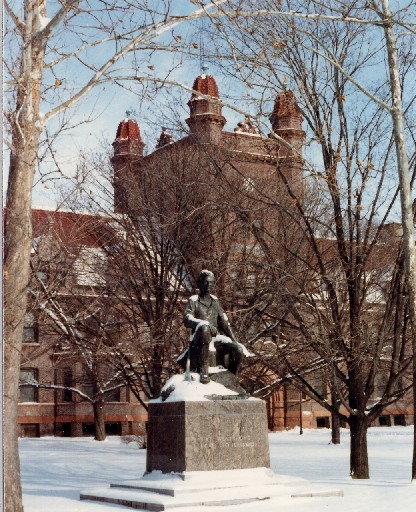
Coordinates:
[159,492]
[209,451]
[207,435]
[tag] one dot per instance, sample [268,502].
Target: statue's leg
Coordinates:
[181,360]
[202,339]
[194,358]
[234,359]
[220,354]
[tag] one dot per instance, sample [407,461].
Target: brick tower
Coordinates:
[286,121]
[206,120]
[128,151]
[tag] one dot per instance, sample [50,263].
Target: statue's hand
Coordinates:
[214,330]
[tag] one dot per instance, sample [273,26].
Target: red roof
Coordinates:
[205,84]
[73,229]
[128,129]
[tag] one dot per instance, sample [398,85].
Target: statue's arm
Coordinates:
[189,319]
[225,328]
[224,323]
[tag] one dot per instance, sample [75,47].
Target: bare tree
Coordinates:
[167,230]
[325,59]
[40,50]
[82,341]
[352,361]
[147,262]
[66,291]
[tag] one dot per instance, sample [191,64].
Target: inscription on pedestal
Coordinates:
[204,436]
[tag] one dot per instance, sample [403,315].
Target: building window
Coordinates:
[30,329]
[113,328]
[322,422]
[251,280]
[113,429]
[28,390]
[384,421]
[88,429]
[379,386]
[67,382]
[88,390]
[90,267]
[42,276]
[319,384]
[292,394]
[66,429]
[399,419]
[112,396]
[29,430]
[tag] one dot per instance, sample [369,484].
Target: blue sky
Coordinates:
[107,104]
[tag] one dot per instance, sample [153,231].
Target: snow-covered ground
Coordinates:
[55,470]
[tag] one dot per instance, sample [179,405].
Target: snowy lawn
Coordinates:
[55,470]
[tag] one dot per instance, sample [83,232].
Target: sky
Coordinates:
[106,106]
[96,117]
[56,470]
[111,109]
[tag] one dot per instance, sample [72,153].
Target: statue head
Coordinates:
[205,281]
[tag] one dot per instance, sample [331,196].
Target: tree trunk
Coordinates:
[405,188]
[99,423]
[357,420]
[358,451]
[17,246]
[335,420]
[12,337]
[18,239]
[157,369]
[335,429]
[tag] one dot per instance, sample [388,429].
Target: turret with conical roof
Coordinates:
[128,140]
[206,120]
[286,120]
[128,149]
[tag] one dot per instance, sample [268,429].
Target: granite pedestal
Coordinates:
[208,435]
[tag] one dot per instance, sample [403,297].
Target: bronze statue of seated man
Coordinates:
[209,325]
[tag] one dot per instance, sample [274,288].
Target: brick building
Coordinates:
[253,169]
[208,167]
[66,252]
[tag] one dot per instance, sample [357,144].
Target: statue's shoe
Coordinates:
[204,377]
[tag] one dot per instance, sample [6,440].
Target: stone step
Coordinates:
[198,481]
[158,492]
[201,481]
[155,502]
